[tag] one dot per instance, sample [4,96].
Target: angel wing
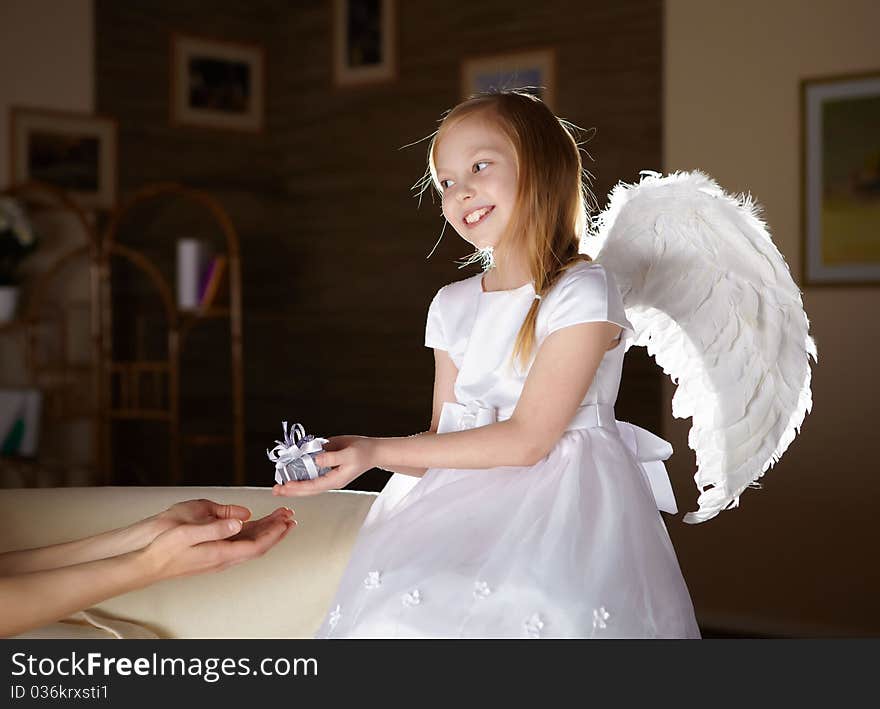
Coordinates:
[712,299]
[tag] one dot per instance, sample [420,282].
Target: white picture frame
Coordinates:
[75,152]
[217,84]
[364,42]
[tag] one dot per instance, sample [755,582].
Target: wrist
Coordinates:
[379,454]
[390,453]
[147,564]
[145,531]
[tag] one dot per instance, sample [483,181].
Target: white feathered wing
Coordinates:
[712,299]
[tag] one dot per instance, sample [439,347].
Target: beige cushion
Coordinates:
[283,594]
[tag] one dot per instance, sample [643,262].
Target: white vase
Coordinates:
[8,302]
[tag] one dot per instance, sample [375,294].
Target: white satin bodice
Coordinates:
[479,330]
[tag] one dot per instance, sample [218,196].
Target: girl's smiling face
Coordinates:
[477,170]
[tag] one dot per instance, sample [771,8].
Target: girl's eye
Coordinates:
[443,183]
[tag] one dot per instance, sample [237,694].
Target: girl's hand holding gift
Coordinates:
[347,456]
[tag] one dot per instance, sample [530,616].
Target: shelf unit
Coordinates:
[130,388]
[130,375]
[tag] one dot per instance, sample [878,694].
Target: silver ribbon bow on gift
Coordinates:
[294,456]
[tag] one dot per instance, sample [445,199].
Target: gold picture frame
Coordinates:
[533,70]
[217,83]
[840,189]
[74,152]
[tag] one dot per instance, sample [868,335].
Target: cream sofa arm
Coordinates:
[283,594]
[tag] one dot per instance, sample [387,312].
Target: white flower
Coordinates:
[335,615]
[413,598]
[600,615]
[24,234]
[468,420]
[372,580]
[533,626]
[481,589]
[14,218]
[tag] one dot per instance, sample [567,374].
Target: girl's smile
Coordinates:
[477,216]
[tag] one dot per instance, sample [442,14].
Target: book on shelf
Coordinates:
[214,278]
[192,257]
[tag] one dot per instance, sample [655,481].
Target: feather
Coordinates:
[713,301]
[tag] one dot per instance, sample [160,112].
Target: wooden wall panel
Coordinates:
[334,246]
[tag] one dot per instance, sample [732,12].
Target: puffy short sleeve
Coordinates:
[435,336]
[585,294]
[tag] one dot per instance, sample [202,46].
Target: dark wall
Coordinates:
[336,283]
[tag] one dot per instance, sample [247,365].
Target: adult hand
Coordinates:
[348,456]
[199,511]
[194,548]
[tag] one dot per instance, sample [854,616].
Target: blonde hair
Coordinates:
[553,193]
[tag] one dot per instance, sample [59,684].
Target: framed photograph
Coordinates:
[217,84]
[840,164]
[364,46]
[72,151]
[534,71]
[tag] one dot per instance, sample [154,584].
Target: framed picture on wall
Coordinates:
[72,151]
[840,164]
[364,46]
[534,71]
[217,84]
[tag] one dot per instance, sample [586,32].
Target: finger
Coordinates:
[230,511]
[301,488]
[282,513]
[262,527]
[290,526]
[334,443]
[254,529]
[219,529]
[234,552]
[336,478]
[288,489]
[271,536]
[327,459]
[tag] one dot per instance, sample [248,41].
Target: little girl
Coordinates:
[522,512]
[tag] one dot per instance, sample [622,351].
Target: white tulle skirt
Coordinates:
[572,547]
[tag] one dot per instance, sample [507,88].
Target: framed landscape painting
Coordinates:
[841,180]
[533,71]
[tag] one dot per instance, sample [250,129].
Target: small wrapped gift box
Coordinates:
[294,457]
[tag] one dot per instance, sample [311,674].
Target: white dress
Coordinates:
[571,547]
